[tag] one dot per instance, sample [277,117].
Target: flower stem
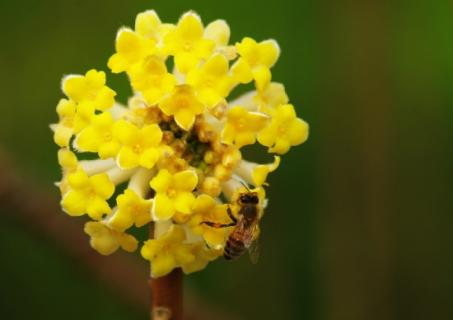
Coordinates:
[166,293]
[166,296]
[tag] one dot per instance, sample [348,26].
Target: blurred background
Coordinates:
[360,217]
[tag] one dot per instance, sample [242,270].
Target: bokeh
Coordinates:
[359,224]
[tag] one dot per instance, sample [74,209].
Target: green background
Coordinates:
[360,217]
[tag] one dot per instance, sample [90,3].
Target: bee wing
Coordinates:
[254,251]
[254,247]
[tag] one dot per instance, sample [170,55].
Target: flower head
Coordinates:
[187,43]
[173,193]
[89,88]
[255,61]
[132,209]
[98,137]
[152,79]
[212,81]
[88,194]
[284,131]
[173,156]
[183,105]
[131,48]
[106,241]
[139,146]
[208,209]
[168,251]
[242,126]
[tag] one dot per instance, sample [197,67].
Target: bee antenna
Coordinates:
[245,185]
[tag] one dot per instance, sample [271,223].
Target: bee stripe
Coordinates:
[233,252]
[234,241]
[235,249]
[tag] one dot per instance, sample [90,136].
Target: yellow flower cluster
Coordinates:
[172,156]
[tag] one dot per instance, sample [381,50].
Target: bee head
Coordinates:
[248,198]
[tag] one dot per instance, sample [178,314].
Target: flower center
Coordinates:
[187,46]
[282,130]
[240,124]
[183,103]
[209,83]
[137,148]
[135,209]
[171,192]
[155,82]
[92,94]
[92,194]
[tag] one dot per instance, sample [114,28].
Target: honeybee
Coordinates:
[245,234]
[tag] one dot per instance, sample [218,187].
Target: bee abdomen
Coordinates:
[233,249]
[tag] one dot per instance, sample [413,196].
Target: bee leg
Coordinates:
[222,225]
[230,214]
[218,225]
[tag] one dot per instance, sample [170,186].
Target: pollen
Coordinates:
[173,156]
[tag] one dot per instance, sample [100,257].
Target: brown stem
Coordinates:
[166,296]
[166,293]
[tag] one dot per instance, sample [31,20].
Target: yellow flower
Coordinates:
[255,173]
[98,137]
[132,209]
[88,194]
[187,44]
[140,147]
[85,112]
[131,48]
[219,32]
[271,97]
[152,79]
[203,256]
[180,134]
[69,164]
[207,209]
[64,129]
[72,118]
[284,131]
[211,81]
[255,61]
[173,193]
[90,89]
[242,126]
[183,105]
[149,26]
[167,252]
[67,160]
[106,241]
[211,186]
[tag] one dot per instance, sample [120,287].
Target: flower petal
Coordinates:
[126,132]
[185,180]
[127,158]
[128,242]
[214,237]
[163,208]
[297,132]
[97,207]
[102,185]
[74,203]
[162,181]
[185,118]
[183,202]
[151,135]
[149,157]
[162,265]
